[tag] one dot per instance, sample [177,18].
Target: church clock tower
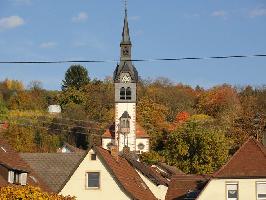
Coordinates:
[125,81]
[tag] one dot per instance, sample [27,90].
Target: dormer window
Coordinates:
[17,177]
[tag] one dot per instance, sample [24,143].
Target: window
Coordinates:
[232,191]
[261,190]
[93,180]
[17,177]
[93,156]
[122,93]
[141,146]
[125,94]
[128,93]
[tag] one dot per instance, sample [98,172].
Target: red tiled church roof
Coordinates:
[248,161]
[110,132]
[126,176]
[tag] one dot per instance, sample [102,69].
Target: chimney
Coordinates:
[114,152]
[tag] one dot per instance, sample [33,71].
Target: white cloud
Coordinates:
[11,22]
[219,13]
[47,45]
[257,12]
[81,17]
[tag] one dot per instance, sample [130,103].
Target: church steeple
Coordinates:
[125,33]
[125,65]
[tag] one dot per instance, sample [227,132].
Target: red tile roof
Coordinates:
[249,161]
[140,132]
[186,187]
[110,132]
[9,158]
[126,176]
[12,160]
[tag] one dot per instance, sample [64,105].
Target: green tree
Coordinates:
[76,76]
[196,147]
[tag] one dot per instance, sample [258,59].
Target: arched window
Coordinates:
[122,93]
[128,93]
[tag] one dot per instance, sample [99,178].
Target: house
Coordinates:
[243,177]
[96,174]
[14,170]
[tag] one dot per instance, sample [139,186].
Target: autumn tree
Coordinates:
[221,102]
[152,117]
[76,76]
[29,193]
[196,147]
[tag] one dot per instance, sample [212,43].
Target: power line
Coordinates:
[69,126]
[134,60]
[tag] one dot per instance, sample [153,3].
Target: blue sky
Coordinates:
[91,29]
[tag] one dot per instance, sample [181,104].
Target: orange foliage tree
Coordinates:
[29,193]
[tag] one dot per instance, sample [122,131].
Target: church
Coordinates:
[125,131]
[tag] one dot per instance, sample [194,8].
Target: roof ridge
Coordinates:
[251,139]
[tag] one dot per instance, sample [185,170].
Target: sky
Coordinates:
[50,30]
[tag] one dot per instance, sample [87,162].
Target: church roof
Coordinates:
[110,132]
[248,162]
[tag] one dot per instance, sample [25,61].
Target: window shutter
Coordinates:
[11,176]
[23,178]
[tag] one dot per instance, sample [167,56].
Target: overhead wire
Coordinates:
[133,60]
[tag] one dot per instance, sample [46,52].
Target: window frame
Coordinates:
[122,93]
[93,156]
[87,179]
[226,190]
[128,93]
[260,182]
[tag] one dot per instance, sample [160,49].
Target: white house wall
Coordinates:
[216,189]
[144,141]
[158,191]
[76,186]
[106,141]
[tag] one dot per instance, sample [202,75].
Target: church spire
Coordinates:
[125,33]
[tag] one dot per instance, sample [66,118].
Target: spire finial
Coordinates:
[126,6]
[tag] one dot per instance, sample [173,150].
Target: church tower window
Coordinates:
[122,93]
[128,93]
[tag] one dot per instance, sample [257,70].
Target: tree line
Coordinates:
[195,129]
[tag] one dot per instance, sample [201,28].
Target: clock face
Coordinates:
[126,78]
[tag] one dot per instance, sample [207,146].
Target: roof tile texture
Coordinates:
[248,161]
[11,159]
[53,168]
[126,175]
[180,186]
